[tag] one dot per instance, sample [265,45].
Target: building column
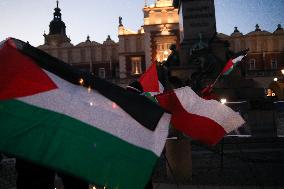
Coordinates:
[122,67]
[148,49]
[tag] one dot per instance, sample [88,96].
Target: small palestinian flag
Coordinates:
[150,80]
[233,62]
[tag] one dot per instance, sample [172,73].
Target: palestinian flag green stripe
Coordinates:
[228,71]
[46,137]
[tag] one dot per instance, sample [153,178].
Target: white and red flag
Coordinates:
[204,120]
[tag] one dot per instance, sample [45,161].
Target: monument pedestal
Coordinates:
[178,153]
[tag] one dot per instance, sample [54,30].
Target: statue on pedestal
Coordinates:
[120,21]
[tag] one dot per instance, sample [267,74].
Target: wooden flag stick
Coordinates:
[212,85]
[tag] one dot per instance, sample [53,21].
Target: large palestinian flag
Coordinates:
[68,120]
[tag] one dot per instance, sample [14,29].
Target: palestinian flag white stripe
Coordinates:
[95,109]
[238,59]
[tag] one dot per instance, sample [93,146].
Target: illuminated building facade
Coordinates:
[101,59]
[137,50]
[266,53]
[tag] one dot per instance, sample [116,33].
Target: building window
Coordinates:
[252,64]
[136,65]
[160,47]
[169,45]
[163,51]
[273,64]
[270,93]
[102,73]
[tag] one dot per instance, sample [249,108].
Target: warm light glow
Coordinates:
[223,100]
[269,92]
[275,79]
[164,3]
[142,30]
[136,65]
[94,187]
[81,81]
[120,30]
[282,71]
[89,89]
[165,55]
[165,30]
[136,70]
[114,105]
[273,94]
[158,58]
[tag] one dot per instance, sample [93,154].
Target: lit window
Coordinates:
[273,64]
[270,92]
[169,45]
[136,65]
[252,64]
[102,73]
[164,52]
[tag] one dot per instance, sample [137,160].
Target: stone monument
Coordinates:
[202,54]
[197,16]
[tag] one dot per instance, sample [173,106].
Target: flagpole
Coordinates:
[212,85]
[222,72]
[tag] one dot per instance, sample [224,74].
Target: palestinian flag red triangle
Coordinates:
[22,77]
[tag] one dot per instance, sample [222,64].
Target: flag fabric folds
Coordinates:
[57,116]
[233,61]
[204,120]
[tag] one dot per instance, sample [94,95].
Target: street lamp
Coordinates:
[275,79]
[223,100]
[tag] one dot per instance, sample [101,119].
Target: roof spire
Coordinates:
[57,14]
